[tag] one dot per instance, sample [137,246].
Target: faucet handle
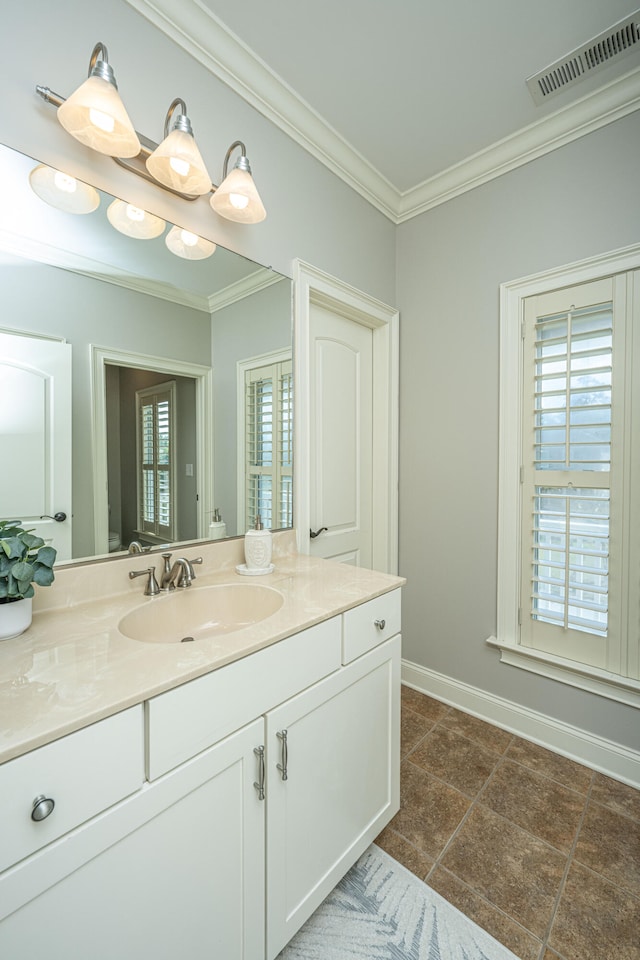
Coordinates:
[152,589]
[192,572]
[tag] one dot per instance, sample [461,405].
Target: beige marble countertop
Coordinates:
[74,667]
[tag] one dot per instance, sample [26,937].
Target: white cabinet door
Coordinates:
[176,871]
[341,786]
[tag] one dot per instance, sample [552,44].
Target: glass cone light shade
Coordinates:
[237,198]
[188,245]
[95,115]
[60,190]
[134,222]
[177,163]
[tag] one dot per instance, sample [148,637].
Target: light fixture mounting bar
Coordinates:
[135,164]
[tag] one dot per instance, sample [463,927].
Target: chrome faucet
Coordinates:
[180,574]
[136,547]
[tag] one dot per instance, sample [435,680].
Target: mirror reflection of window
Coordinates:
[268,420]
[155,416]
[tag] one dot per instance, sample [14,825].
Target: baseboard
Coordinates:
[613,759]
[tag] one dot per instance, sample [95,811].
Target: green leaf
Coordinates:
[13,547]
[46,556]
[32,542]
[23,571]
[43,575]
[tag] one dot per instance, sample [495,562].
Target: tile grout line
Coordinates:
[565,874]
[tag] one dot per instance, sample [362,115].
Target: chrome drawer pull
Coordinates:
[259,783]
[380,624]
[42,808]
[282,767]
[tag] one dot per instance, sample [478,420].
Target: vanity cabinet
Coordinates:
[176,870]
[263,782]
[332,784]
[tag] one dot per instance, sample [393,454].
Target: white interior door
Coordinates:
[341,418]
[35,436]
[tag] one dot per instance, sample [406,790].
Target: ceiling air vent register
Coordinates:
[621,39]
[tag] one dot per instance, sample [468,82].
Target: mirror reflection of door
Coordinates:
[152,460]
[35,437]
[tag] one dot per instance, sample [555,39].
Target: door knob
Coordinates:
[316,533]
[58,517]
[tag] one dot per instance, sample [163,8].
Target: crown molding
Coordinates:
[609,103]
[41,252]
[52,256]
[206,38]
[253,283]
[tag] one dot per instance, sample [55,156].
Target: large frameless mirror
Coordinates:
[145,395]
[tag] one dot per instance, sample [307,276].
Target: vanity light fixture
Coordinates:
[95,116]
[177,163]
[62,191]
[134,222]
[188,245]
[237,198]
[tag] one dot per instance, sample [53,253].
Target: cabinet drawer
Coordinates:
[83,773]
[366,626]
[187,720]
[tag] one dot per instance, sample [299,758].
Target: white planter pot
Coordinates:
[15,618]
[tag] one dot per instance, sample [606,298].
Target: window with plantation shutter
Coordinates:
[567,477]
[569,554]
[268,444]
[156,456]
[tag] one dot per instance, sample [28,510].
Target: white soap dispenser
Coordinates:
[217,527]
[257,549]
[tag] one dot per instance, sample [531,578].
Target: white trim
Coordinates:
[584,116]
[606,756]
[512,297]
[314,286]
[246,287]
[43,252]
[203,376]
[206,38]
[594,680]
[274,356]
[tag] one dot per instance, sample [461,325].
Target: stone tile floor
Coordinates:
[540,851]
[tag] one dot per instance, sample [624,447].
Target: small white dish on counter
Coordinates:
[254,571]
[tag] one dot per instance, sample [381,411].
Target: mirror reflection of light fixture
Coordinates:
[237,198]
[63,192]
[95,114]
[134,222]
[177,163]
[188,245]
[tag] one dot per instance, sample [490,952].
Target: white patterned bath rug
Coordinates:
[381,911]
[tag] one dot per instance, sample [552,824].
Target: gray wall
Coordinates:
[579,201]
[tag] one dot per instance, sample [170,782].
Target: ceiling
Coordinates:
[409,101]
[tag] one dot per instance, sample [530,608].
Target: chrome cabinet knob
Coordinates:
[42,808]
[380,624]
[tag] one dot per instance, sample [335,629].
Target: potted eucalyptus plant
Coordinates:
[25,560]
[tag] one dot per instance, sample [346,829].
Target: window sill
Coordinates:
[591,679]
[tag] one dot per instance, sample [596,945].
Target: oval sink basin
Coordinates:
[192,613]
